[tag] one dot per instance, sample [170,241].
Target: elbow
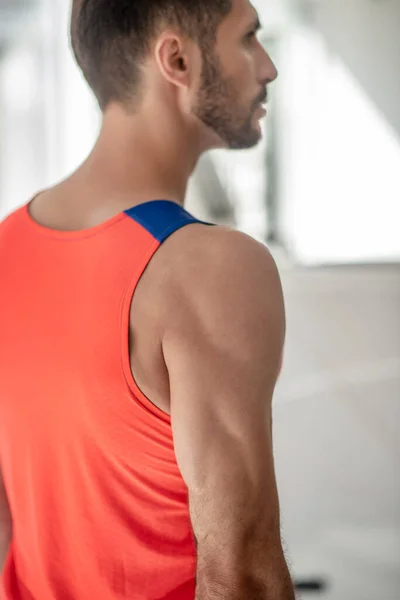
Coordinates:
[5,540]
[242,586]
[252,571]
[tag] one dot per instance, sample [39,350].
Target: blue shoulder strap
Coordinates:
[162,217]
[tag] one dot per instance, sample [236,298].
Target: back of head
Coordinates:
[111,38]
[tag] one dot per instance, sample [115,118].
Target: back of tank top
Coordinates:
[99,507]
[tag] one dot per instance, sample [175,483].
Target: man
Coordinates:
[140,347]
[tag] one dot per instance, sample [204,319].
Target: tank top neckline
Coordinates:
[87,232]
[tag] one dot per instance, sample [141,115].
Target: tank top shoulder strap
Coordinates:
[161,218]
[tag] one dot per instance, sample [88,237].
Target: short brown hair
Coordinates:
[110,38]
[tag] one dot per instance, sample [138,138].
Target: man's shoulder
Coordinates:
[10,226]
[224,291]
[209,253]
[207,268]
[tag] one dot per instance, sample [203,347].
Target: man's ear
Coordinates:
[173,59]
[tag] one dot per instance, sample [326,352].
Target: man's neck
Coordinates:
[141,160]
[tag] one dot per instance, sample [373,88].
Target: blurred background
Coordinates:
[323,192]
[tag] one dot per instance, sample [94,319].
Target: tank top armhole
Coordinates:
[135,390]
[138,395]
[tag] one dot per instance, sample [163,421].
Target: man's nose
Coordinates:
[268,70]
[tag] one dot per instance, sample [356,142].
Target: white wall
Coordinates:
[48,117]
[366,35]
[339,154]
[21,167]
[79,115]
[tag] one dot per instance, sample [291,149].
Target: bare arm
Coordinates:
[223,348]
[5,524]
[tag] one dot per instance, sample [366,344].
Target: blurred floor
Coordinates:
[337,417]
